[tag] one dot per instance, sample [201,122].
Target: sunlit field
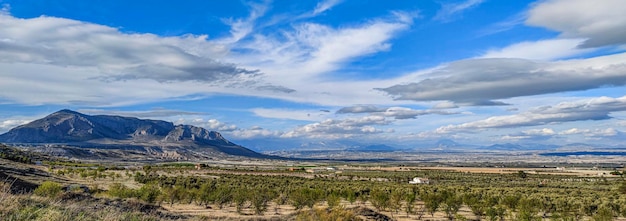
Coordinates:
[70,190]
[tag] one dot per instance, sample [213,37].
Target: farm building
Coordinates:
[419,180]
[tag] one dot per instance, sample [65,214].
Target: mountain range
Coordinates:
[71,128]
[72,134]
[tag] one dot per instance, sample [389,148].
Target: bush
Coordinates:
[302,197]
[336,214]
[622,188]
[604,214]
[333,200]
[149,193]
[121,191]
[48,189]
[380,199]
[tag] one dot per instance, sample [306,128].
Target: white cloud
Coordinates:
[480,81]
[401,113]
[398,113]
[608,132]
[539,50]
[449,12]
[302,57]
[573,131]
[241,28]
[360,109]
[214,124]
[117,56]
[8,124]
[514,138]
[523,69]
[304,115]
[532,134]
[589,109]
[155,113]
[540,132]
[602,22]
[211,124]
[311,49]
[255,132]
[336,129]
[275,88]
[71,85]
[5,10]
[502,26]
[325,5]
[445,105]
[74,62]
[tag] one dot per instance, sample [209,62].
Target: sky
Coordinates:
[308,74]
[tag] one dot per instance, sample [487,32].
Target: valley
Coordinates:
[270,189]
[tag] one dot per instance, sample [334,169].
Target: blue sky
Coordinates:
[280,74]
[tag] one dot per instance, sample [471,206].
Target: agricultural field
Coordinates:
[276,190]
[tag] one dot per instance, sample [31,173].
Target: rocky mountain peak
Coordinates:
[198,134]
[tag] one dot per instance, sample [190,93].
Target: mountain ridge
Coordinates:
[110,131]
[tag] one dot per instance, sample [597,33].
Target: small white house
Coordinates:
[419,180]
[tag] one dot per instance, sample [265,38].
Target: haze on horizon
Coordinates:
[287,73]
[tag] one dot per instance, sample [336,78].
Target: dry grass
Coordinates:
[71,206]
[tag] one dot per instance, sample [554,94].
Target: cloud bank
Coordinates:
[582,110]
[480,81]
[602,22]
[118,56]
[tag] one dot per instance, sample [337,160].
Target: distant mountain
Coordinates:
[520,147]
[374,148]
[296,144]
[116,132]
[507,146]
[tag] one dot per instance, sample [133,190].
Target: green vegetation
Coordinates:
[325,195]
[15,155]
[487,196]
[48,189]
[336,214]
[50,203]
[74,164]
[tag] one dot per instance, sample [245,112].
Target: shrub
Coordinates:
[302,197]
[622,188]
[380,199]
[604,214]
[333,200]
[48,189]
[336,214]
[149,193]
[260,198]
[119,190]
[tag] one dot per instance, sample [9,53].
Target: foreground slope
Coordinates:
[72,128]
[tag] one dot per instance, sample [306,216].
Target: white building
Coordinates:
[419,180]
